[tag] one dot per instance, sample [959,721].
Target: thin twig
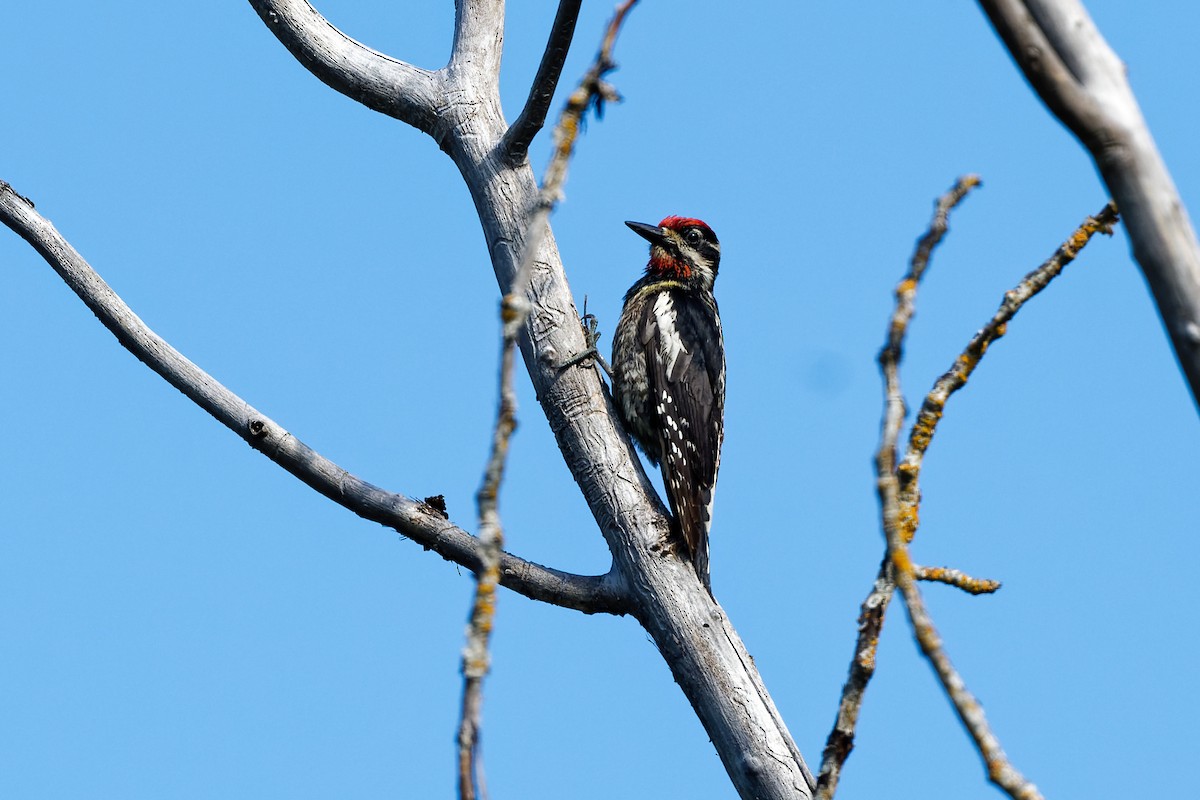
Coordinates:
[900,493]
[899,527]
[1000,770]
[412,518]
[870,620]
[515,307]
[956,578]
[476,659]
[862,668]
[956,377]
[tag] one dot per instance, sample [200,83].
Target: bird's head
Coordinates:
[681,248]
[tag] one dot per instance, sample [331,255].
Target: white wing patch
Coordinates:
[669,343]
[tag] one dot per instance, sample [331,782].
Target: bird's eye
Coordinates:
[693,237]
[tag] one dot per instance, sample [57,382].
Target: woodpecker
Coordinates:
[668,370]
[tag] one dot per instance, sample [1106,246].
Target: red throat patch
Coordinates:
[664,266]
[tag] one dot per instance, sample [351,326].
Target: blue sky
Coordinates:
[180,618]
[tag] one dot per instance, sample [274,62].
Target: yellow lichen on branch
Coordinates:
[953,577]
[899,492]
[907,496]
[870,621]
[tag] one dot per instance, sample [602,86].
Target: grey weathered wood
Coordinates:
[459,107]
[380,82]
[541,93]
[1084,83]
[416,520]
[700,645]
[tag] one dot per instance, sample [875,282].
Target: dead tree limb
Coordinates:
[514,311]
[541,94]
[874,608]
[1083,82]
[418,521]
[459,106]
[704,652]
[899,495]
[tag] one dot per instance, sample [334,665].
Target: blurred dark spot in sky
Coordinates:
[826,372]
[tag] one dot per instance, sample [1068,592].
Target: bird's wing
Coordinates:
[687,391]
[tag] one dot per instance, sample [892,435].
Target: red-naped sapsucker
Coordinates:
[668,371]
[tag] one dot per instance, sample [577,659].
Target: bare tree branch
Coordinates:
[1000,770]
[899,525]
[514,312]
[697,640]
[871,615]
[592,92]
[900,496]
[957,579]
[840,741]
[379,82]
[889,496]
[416,520]
[1084,83]
[533,115]
[476,659]
[478,42]
[956,377]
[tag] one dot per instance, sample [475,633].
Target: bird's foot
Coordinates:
[591,335]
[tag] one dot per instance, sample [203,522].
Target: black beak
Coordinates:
[651,233]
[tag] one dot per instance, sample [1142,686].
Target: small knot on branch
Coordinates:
[437,504]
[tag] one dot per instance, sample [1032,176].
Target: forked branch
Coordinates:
[900,495]
[459,106]
[874,608]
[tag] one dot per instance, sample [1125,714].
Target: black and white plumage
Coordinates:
[669,372]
